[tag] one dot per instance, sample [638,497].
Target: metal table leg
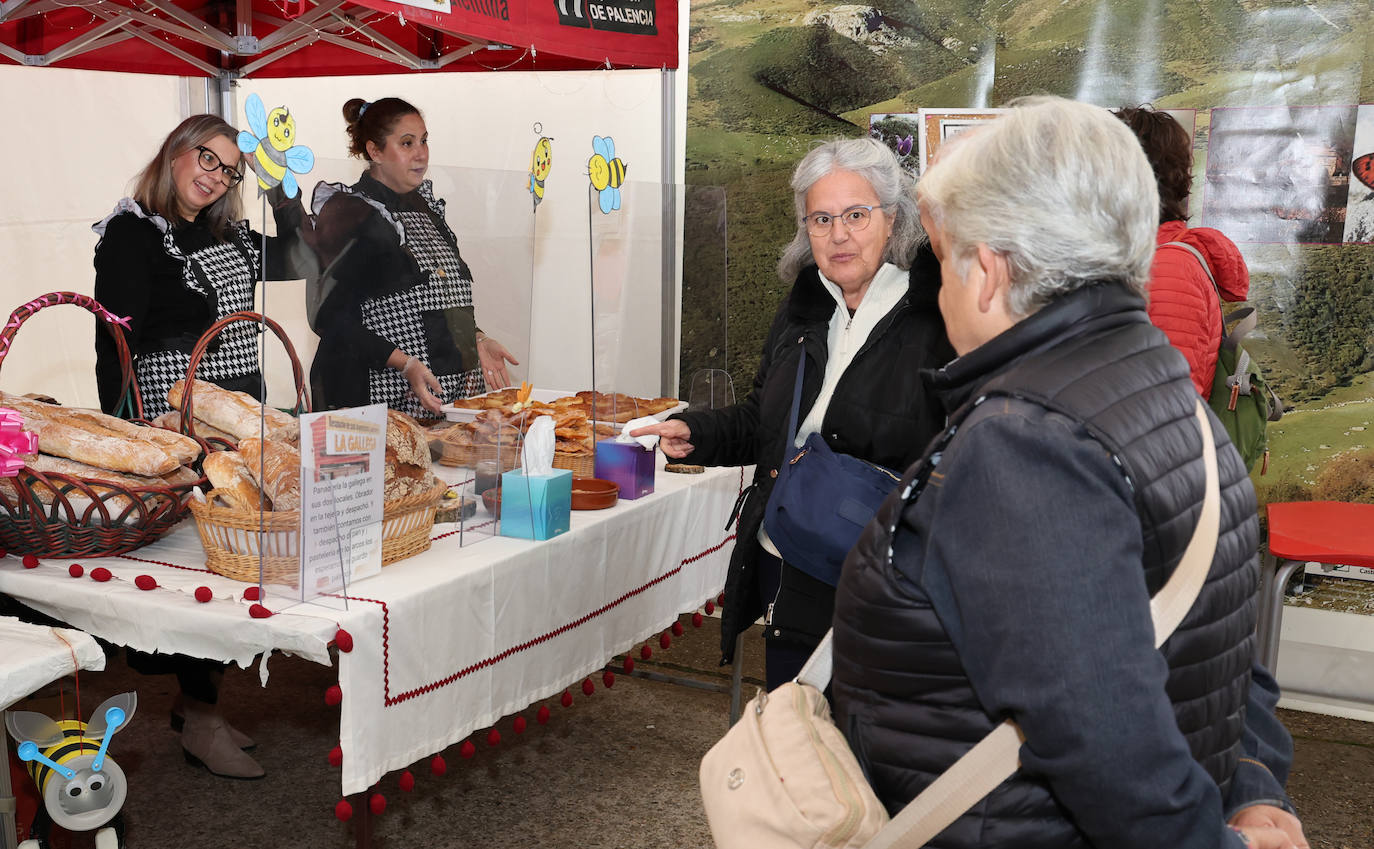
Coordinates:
[1270,648]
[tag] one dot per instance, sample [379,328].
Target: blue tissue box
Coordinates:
[536,506]
[627,464]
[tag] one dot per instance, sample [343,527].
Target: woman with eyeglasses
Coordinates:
[394,309]
[862,311]
[176,257]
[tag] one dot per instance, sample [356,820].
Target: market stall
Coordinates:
[441,644]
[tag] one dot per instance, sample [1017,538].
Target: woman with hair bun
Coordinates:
[393,308]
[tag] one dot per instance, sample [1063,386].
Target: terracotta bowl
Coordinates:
[492,499]
[594,494]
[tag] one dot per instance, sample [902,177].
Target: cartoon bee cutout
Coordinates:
[541,162]
[607,172]
[272,144]
[82,789]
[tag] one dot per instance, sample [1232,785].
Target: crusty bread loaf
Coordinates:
[233,481]
[236,413]
[181,476]
[172,421]
[407,458]
[277,468]
[91,475]
[103,441]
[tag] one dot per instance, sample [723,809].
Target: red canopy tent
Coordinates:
[286,38]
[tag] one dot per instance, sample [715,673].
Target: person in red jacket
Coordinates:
[1182,300]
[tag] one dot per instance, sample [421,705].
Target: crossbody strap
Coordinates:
[996,757]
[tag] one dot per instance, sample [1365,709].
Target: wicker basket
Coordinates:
[112,521]
[199,351]
[581,465]
[231,537]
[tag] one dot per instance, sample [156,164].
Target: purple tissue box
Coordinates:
[627,464]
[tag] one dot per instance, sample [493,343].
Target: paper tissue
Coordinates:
[536,500]
[629,461]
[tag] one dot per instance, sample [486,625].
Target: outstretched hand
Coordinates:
[674,437]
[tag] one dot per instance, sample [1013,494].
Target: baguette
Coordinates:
[93,478]
[236,413]
[172,421]
[279,465]
[229,474]
[181,449]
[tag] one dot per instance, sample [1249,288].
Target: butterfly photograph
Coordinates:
[1359,205]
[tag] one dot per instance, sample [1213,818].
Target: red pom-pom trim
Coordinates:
[145,582]
[437,765]
[333,695]
[645,652]
[608,679]
[204,594]
[710,607]
[30,562]
[493,737]
[677,629]
[541,716]
[566,699]
[343,640]
[406,782]
[588,687]
[720,599]
[336,756]
[378,804]
[629,664]
[252,594]
[518,726]
[100,574]
[343,811]
[75,570]
[468,749]
[257,611]
[664,640]
[697,619]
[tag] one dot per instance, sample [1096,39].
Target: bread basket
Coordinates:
[202,347]
[116,518]
[235,549]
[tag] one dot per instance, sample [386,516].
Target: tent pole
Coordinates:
[668,238]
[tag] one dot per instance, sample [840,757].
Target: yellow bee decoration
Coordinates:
[541,162]
[607,172]
[278,159]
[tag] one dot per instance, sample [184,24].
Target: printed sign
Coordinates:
[631,16]
[431,5]
[343,455]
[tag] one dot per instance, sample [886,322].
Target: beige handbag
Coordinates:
[784,775]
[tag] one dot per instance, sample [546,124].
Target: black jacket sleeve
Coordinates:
[124,260]
[729,436]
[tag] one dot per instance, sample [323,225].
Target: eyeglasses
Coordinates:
[210,161]
[855,218]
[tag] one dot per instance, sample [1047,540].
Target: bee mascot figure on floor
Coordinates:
[81,788]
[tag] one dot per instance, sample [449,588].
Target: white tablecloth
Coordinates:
[34,655]
[445,642]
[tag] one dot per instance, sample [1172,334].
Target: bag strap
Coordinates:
[997,756]
[1246,320]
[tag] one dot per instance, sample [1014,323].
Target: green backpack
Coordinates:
[1241,397]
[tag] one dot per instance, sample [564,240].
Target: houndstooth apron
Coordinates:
[225,273]
[397,317]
